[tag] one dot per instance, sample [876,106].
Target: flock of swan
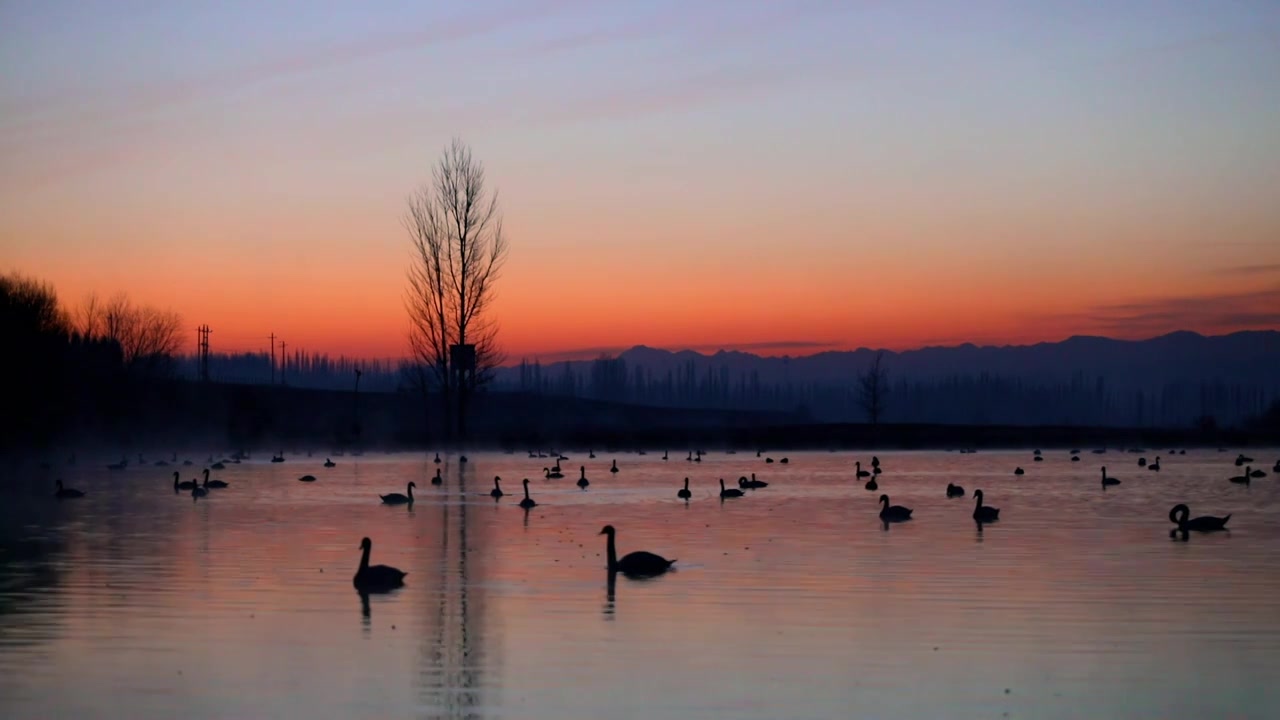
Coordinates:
[379,578]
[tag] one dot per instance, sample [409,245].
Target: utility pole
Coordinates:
[202,347]
[284,363]
[272,336]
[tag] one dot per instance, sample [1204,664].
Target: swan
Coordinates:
[307,478]
[684,493]
[768,461]
[213,483]
[872,485]
[1258,474]
[751,484]
[277,458]
[397,498]
[1108,480]
[375,577]
[1276,467]
[329,463]
[1142,462]
[664,454]
[591,454]
[729,492]
[860,473]
[1242,460]
[124,463]
[437,460]
[893,513]
[552,474]
[183,485]
[984,513]
[1242,479]
[527,502]
[1075,458]
[496,492]
[784,461]
[198,492]
[1155,466]
[1038,458]
[1018,471]
[437,479]
[66,493]
[954,491]
[639,563]
[614,467]
[218,466]
[583,482]
[1205,523]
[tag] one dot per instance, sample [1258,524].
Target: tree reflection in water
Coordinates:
[451,663]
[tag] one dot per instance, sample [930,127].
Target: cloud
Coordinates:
[591,353]
[767,345]
[1212,313]
[1260,269]
[74,114]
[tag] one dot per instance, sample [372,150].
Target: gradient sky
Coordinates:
[782,177]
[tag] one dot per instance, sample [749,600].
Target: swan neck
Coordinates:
[612,553]
[364,558]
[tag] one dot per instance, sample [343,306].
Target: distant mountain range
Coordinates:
[1170,379]
[1252,356]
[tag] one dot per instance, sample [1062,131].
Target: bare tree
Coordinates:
[148,337]
[873,386]
[458,248]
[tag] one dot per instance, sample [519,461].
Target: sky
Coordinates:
[776,177]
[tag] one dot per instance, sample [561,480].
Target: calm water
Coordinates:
[793,602]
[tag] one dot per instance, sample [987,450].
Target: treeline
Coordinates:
[82,369]
[297,369]
[959,399]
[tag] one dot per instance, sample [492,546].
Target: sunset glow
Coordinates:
[784,179]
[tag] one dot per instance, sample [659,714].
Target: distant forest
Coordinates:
[968,399]
[1180,380]
[109,371]
[298,369]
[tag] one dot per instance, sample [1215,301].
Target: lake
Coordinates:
[792,602]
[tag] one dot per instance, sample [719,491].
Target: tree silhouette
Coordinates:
[149,337]
[455,226]
[873,386]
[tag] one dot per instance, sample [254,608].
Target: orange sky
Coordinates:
[662,184]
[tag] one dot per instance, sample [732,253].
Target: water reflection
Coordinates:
[450,656]
[611,586]
[239,607]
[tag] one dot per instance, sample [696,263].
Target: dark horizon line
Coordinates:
[820,348]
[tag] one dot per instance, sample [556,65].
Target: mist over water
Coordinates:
[794,601]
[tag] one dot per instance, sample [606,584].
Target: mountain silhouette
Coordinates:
[1173,379]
